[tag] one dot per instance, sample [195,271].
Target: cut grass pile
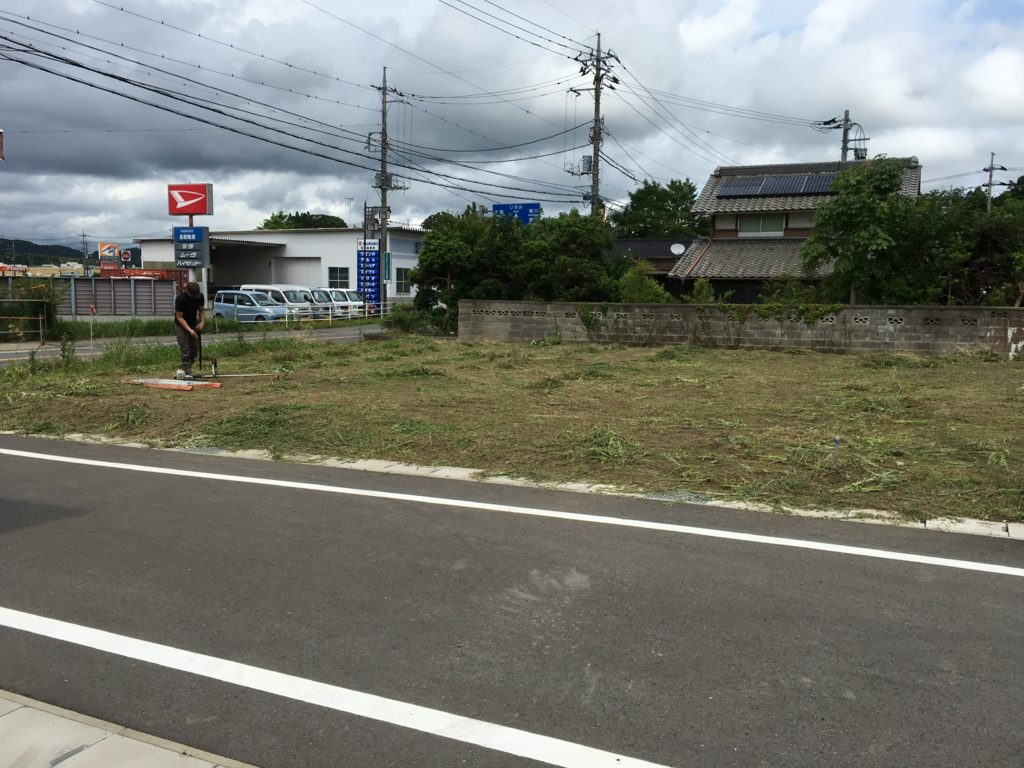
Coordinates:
[918,436]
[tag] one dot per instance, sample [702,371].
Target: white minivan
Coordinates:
[346,303]
[296,297]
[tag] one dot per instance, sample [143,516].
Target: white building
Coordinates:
[309,257]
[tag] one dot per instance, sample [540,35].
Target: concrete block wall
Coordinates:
[928,330]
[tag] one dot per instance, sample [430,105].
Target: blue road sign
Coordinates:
[527,213]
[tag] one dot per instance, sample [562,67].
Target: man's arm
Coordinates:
[202,318]
[179,318]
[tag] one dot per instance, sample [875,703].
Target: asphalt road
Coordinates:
[22,352]
[622,630]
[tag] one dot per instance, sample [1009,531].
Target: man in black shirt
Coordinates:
[189,318]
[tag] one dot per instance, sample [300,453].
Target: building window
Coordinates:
[337,277]
[762,225]
[416,246]
[402,284]
[801,220]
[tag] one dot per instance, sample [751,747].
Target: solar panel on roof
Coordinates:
[819,183]
[741,186]
[788,184]
[783,185]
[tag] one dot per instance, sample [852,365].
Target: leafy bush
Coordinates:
[638,287]
[29,300]
[407,319]
[703,293]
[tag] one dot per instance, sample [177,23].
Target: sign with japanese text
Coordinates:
[368,275]
[191,247]
[527,213]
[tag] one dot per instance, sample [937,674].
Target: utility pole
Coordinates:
[385,184]
[85,248]
[595,169]
[846,134]
[598,63]
[992,167]
[860,151]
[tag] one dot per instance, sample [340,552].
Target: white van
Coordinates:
[351,300]
[342,303]
[296,297]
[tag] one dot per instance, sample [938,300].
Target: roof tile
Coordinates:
[745,259]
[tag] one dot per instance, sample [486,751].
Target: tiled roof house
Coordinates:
[760,217]
[661,253]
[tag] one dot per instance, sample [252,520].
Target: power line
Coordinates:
[570,18]
[175,77]
[619,168]
[574,48]
[693,136]
[413,55]
[576,43]
[661,130]
[164,57]
[107,130]
[711,106]
[505,147]
[175,94]
[547,196]
[232,46]
[507,92]
[345,21]
[620,146]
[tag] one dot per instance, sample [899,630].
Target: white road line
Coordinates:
[513,741]
[754,538]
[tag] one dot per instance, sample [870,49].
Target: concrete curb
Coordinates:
[159,746]
[876,516]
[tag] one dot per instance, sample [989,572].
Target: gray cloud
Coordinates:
[941,80]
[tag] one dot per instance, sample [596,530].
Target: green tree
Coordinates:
[637,286]
[704,293]
[304,220]
[1014,191]
[857,232]
[997,275]
[439,219]
[654,210]
[566,258]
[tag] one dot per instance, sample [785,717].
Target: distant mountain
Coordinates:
[33,254]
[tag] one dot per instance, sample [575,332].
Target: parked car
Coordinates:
[323,304]
[344,306]
[352,300]
[296,298]
[248,307]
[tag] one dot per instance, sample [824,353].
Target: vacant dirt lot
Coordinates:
[920,436]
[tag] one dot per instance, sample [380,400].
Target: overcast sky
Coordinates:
[482,111]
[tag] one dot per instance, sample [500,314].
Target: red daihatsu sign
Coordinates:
[189,199]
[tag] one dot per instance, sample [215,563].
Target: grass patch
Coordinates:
[920,436]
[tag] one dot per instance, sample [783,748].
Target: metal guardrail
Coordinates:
[371,311]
